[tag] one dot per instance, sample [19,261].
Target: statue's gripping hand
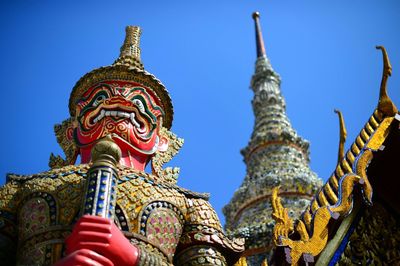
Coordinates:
[100,241]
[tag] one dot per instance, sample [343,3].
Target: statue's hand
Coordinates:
[84,257]
[102,236]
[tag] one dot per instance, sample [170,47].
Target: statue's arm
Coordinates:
[8,224]
[203,241]
[201,255]
[149,255]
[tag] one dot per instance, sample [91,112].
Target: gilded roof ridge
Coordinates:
[335,200]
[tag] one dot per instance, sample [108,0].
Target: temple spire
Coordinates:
[259,37]
[275,155]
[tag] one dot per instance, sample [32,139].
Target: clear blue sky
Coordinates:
[204,52]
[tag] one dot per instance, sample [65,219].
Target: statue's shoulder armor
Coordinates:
[58,185]
[203,227]
[126,174]
[188,193]
[9,195]
[53,173]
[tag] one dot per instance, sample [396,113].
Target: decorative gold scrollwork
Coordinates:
[169,174]
[310,245]
[67,145]
[355,163]
[284,225]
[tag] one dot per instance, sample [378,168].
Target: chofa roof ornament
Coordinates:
[385,104]
[335,201]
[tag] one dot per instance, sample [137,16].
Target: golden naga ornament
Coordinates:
[169,174]
[334,202]
[66,143]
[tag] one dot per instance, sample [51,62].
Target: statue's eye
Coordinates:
[139,104]
[99,99]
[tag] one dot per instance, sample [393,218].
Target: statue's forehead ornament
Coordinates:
[128,67]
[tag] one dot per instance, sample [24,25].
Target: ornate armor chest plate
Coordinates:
[150,213]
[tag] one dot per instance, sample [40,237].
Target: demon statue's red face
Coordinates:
[127,111]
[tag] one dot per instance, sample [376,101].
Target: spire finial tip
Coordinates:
[256,15]
[259,38]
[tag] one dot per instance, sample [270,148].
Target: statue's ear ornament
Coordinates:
[64,133]
[163,156]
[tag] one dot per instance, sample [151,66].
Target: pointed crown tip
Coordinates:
[132,41]
[132,32]
[132,27]
[130,50]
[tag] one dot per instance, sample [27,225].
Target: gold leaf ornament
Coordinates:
[284,225]
[67,144]
[161,157]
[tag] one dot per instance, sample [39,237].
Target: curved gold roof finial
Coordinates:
[343,135]
[385,104]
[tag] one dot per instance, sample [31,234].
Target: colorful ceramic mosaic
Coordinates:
[275,155]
